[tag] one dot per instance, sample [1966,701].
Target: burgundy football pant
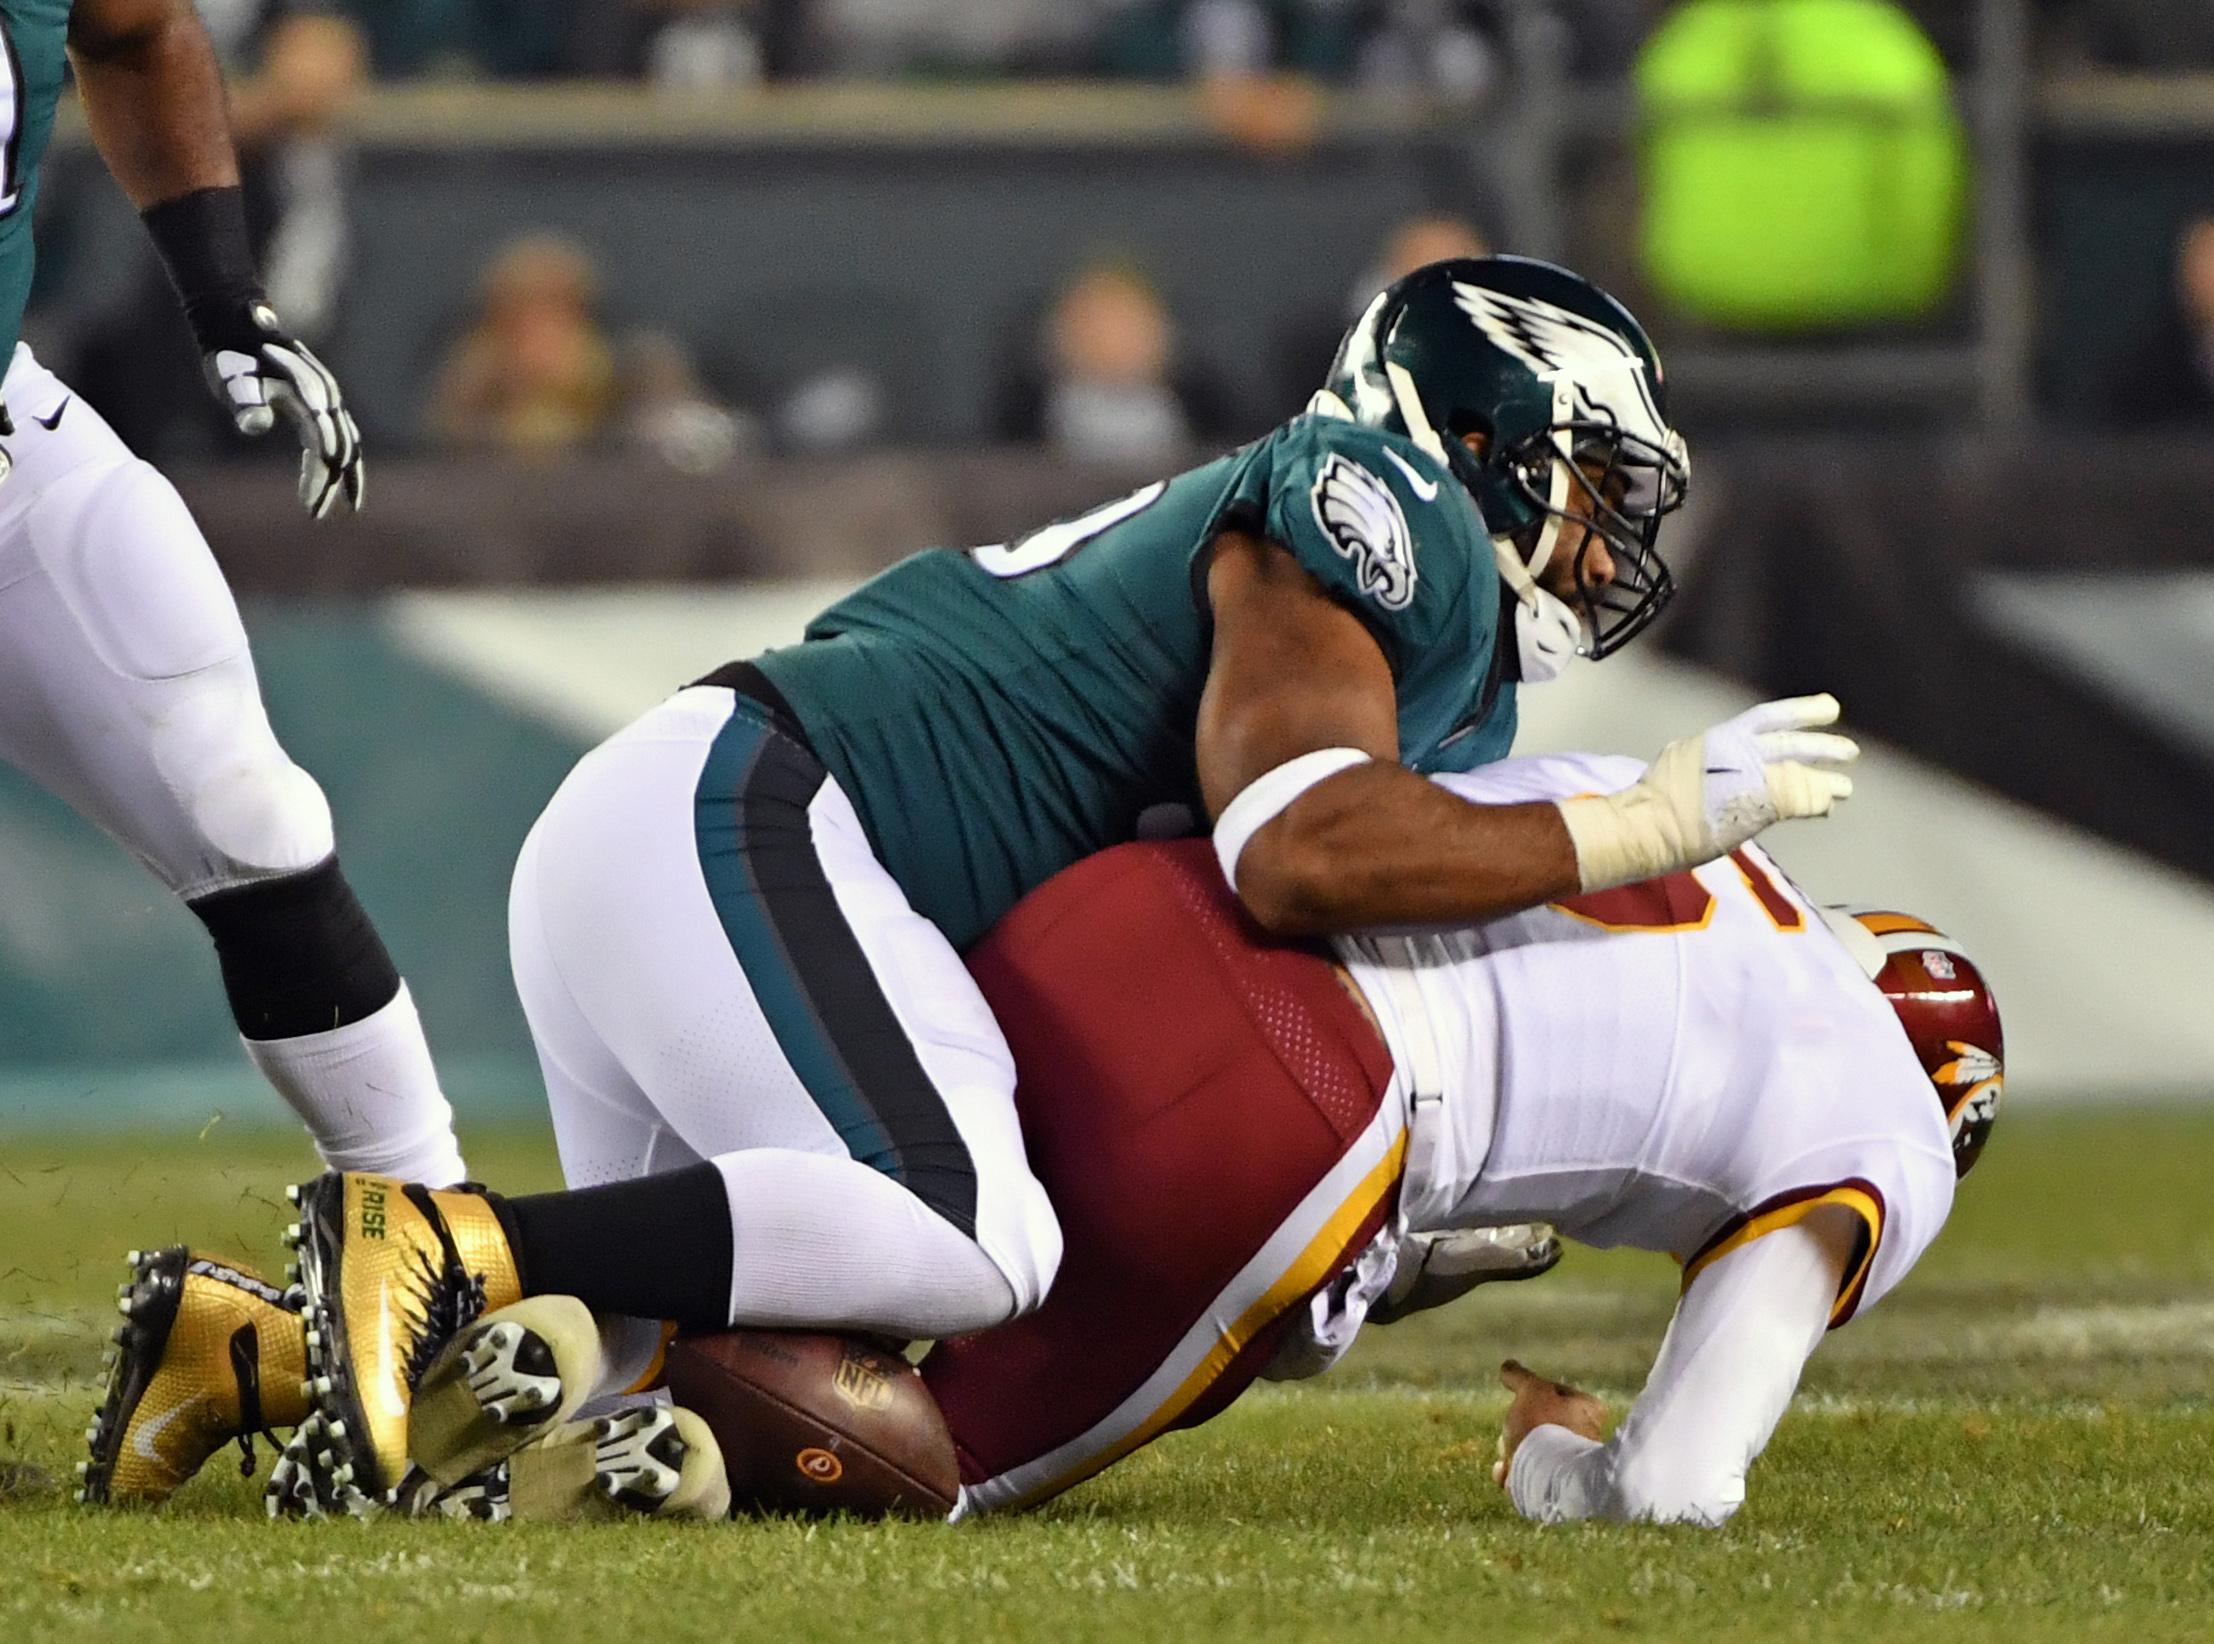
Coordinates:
[1205,1108]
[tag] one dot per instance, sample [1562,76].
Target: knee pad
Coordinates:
[253,809]
[264,814]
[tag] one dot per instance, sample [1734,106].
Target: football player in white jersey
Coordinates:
[1704,1065]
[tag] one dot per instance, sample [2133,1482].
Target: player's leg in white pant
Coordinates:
[126,688]
[719,930]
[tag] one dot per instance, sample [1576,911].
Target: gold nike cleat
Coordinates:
[661,1461]
[392,1272]
[208,1353]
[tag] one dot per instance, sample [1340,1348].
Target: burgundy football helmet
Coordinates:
[1948,1012]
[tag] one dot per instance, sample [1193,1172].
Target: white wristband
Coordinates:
[1269,795]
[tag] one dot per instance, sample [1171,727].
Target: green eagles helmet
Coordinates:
[1564,385]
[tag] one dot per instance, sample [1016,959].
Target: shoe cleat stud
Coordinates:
[120,1335]
[135,1257]
[314,1338]
[292,1194]
[291,1236]
[322,1387]
[123,1304]
[307,1390]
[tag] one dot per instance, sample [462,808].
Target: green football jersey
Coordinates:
[998,713]
[35,32]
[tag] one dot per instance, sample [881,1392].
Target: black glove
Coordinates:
[255,366]
[258,369]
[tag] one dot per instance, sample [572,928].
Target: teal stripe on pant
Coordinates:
[721,830]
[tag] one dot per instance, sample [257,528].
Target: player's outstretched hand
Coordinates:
[260,370]
[1542,1403]
[1706,795]
[1772,764]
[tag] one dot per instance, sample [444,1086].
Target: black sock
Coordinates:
[654,1248]
[298,953]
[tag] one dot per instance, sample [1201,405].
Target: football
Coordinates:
[814,1423]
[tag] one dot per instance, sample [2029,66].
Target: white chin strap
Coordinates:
[1547,631]
[1548,635]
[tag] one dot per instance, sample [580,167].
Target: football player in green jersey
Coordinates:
[126,684]
[736,930]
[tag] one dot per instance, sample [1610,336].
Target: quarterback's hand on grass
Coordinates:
[1707,795]
[257,370]
[1541,1403]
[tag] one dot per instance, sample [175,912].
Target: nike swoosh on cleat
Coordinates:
[144,1442]
[53,422]
[1426,489]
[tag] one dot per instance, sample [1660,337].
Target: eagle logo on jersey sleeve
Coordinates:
[1361,516]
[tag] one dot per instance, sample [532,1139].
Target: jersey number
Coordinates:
[1679,901]
[1055,543]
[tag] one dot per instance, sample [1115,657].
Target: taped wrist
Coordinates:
[1621,838]
[203,243]
[1269,795]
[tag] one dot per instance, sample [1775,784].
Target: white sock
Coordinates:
[825,1243]
[369,1095]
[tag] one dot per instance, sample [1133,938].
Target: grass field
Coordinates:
[2019,1445]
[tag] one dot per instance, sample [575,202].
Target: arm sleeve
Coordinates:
[1726,1371]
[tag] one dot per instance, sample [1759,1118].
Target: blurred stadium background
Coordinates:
[665,319]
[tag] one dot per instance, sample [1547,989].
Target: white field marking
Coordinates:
[2099,1330]
[588,661]
[1830,1406]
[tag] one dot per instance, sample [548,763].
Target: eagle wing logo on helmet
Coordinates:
[1363,520]
[1571,352]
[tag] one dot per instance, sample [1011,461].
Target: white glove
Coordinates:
[1706,795]
[272,371]
[1436,1268]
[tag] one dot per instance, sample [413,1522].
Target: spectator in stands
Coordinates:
[538,372]
[666,412]
[2170,378]
[1308,341]
[2165,36]
[501,38]
[883,38]
[1105,384]
[690,45]
[535,372]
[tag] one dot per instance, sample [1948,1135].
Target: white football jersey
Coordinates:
[1676,1066]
